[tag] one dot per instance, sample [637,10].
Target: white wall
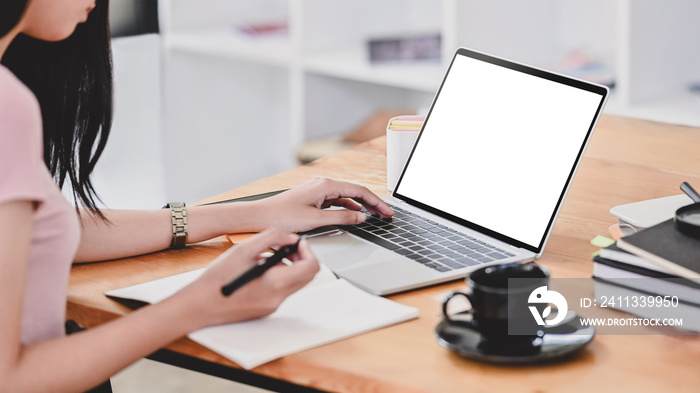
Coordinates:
[131,174]
[225,124]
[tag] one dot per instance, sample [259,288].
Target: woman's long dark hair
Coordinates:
[72,79]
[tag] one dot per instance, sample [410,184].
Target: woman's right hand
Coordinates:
[303,208]
[205,303]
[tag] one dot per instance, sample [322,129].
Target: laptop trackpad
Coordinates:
[369,266]
[341,251]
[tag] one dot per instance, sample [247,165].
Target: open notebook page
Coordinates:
[326,310]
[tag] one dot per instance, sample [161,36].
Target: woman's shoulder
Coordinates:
[19,108]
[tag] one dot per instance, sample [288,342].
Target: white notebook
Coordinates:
[326,310]
[645,214]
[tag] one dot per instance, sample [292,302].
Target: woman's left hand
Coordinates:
[300,208]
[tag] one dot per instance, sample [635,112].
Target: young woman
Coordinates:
[55,115]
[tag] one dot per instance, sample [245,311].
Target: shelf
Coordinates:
[270,50]
[352,63]
[314,78]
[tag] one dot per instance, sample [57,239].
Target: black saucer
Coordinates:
[552,343]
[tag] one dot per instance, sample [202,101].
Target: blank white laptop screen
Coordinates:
[498,148]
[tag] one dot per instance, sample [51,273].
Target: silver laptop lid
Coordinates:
[500,146]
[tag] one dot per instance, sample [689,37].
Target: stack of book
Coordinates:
[405,49]
[406,123]
[659,262]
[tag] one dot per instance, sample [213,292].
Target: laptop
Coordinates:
[484,183]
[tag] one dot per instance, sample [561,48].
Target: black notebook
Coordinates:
[665,246]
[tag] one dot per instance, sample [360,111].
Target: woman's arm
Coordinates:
[135,232]
[83,360]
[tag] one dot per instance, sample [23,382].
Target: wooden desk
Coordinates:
[628,160]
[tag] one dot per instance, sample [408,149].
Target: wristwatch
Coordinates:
[178,215]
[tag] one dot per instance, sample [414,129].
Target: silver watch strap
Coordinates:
[178,215]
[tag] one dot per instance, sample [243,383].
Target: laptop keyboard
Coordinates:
[425,241]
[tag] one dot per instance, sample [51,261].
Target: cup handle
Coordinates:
[451,296]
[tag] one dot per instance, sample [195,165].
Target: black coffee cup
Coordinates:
[497,301]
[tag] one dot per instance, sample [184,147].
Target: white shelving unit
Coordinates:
[256,98]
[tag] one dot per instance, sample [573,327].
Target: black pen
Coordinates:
[257,270]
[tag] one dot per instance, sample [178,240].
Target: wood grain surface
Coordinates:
[627,160]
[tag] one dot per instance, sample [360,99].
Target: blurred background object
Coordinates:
[133,17]
[405,48]
[369,128]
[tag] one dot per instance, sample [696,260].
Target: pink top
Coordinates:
[56,232]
